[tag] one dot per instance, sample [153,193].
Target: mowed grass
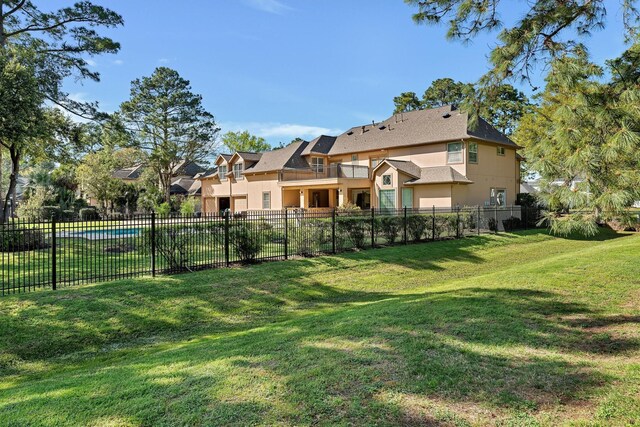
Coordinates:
[515,329]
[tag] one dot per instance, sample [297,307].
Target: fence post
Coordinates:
[433,224]
[406,241]
[495,217]
[373,227]
[478,221]
[457,222]
[54,266]
[226,237]
[512,210]
[333,230]
[286,234]
[153,244]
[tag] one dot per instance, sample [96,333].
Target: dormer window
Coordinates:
[237,170]
[222,172]
[317,164]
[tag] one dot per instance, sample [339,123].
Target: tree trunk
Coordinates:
[13,179]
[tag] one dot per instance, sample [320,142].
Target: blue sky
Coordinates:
[287,68]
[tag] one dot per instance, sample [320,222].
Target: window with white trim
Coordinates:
[454,153]
[266,200]
[317,164]
[500,151]
[473,152]
[222,172]
[237,170]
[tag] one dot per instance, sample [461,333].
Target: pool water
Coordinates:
[110,233]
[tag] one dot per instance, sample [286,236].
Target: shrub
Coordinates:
[246,245]
[51,213]
[390,226]
[417,225]
[89,214]
[188,207]
[352,228]
[17,240]
[511,223]
[493,224]
[308,238]
[163,209]
[172,244]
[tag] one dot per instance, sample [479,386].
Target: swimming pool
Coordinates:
[102,234]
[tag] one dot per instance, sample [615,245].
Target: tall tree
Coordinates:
[405,102]
[244,141]
[502,106]
[584,141]
[545,30]
[169,122]
[95,172]
[446,91]
[57,44]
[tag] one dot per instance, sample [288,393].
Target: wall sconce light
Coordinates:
[301,192]
[340,190]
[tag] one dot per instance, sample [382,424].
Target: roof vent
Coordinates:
[363,129]
[383,127]
[446,115]
[350,132]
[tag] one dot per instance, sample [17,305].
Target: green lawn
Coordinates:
[515,329]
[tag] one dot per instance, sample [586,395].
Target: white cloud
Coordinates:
[282,130]
[270,6]
[118,62]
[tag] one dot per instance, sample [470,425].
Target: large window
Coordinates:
[407,198]
[237,170]
[387,199]
[266,200]
[473,152]
[317,164]
[454,152]
[222,172]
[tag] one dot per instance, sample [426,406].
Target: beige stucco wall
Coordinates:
[258,184]
[492,171]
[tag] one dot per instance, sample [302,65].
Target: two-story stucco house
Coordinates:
[418,159]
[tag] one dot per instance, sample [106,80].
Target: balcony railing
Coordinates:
[331,171]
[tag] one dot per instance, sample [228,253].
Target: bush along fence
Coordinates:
[53,254]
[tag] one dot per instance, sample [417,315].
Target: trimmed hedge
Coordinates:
[89,214]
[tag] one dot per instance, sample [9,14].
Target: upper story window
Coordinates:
[473,152]
[500,151]
[454,152]
[222,172]
[354,157]
[386,180]
[317,164]
[376,161]
[237,170]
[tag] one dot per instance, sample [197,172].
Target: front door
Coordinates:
[361,198]
[224,203]
[387,199]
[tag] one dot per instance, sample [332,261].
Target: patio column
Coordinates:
[342,196]
[303,194]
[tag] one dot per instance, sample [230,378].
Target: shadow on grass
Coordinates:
[503,349]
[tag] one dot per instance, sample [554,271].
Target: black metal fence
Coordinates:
[53,254]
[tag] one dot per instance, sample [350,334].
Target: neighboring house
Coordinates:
[418,159]
[185,180]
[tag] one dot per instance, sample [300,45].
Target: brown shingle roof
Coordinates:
[282,158]
[439,175]
[409,168]
[414,128]
[320,145]
[249,157]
